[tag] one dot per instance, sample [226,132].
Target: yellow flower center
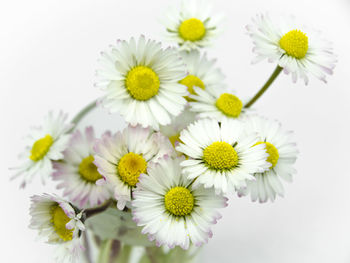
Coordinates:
[142,83]
[229,105]
[59,221]
[175,138]
[40,148]
[130,167]
[179,201]
[192,29]
[220,156]
[88,170]
[295,43]
[192,81]
[273,153]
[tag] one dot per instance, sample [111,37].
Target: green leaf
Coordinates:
[116,224]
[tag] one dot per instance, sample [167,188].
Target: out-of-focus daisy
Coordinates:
[296,48]
[121,158]
[141,82]
[45,144]
[79,174]
[220,155]
[58,223]
[216,104]
[193,26]
[172,131]
[170,210]
[282,154]
[201,72]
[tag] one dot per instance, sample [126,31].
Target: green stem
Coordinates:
[124,256]
[111,252]
[105,251]
[87,247]
[83,112]
[96,210]
[268,83]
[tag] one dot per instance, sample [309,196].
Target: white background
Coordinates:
[48,56]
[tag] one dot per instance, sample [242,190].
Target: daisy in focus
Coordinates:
[78,174]
[58,223]
[141,82]
[296,48]
[44,145]
[282,154]
[193,26]
[220,155]
[215,104]
[122,157]
[170,211]
[202,72]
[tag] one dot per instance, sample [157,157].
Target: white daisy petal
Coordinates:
[79,183]
[170,210]
[216,104]
[193,26]
[57,222]
[45,145]
[139,78]
[202,74]
[121,158]
[281,155]
[219,155]
[299,50]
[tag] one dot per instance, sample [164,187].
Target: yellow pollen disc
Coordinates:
[273,153]
[179,201]
[40,148]
[142,83]
[88,170]
[295,43]
[192,29]
[175,138]
[191,81]
[130,167]
[59,221]
[229,105]
[220,156]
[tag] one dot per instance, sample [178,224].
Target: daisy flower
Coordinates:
[45,144]
[141,82]
[78,174]
[221,155]
[58,223]
[216,104]
[193,26]
[296,48]
[282,154]
[121,158]
[202,72]
[170,210]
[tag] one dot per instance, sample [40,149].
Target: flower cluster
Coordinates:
[190,143]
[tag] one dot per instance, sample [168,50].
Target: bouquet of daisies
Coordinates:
[190,144]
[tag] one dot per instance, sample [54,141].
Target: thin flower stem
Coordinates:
[125,254]
[93,211]
[87,247]
[83,112]
[268,83]
[105,250]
